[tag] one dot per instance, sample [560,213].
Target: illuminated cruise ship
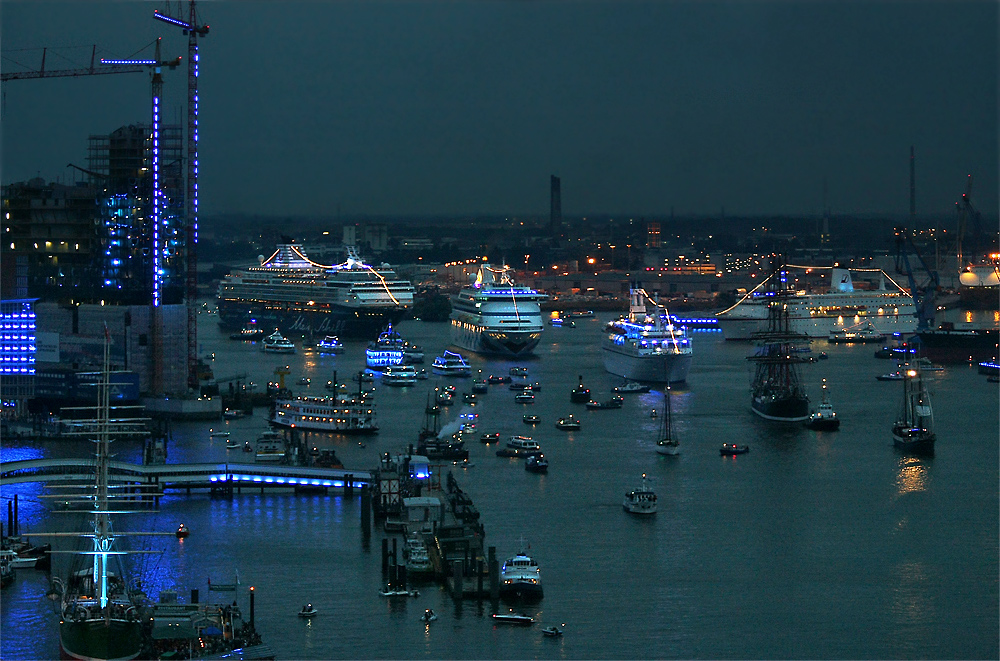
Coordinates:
[816,315]
[290,291]
[646,346]
[493,315]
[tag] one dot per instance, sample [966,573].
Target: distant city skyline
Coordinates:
[382,108]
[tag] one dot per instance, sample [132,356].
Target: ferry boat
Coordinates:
[816,315]
[249,333]
[451,364]
[390,349]
[521,578]
[337,414]
[493,315]
[270,448]
[298,294]
[277,343]
[646,347]
[418,559]
[330,344]
[855,335]
[641,501]
[913,431]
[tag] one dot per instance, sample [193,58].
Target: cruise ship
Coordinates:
[646,347]
[493,315]
[299,295]
[817,315]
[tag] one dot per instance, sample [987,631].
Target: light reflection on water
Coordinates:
[913,475]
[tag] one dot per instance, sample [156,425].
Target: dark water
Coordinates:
[813,545]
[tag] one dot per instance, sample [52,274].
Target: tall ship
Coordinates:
[644,346]
[293,292]
[776,391]
[886,309]
[338,414]
[100,611]
[493,315]
[913,430]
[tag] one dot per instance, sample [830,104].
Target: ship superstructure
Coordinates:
[646,345]
[888,309]
[293,292]
[494,315]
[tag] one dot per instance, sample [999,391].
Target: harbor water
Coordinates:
[812,545]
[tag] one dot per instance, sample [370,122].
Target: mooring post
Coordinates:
[458,580]
[494,569]
[366,512]
[385,556]
[348,485]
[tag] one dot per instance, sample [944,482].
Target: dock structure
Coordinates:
[408,497]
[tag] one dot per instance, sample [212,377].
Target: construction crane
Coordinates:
[965,212]
[193,30]
[85,71]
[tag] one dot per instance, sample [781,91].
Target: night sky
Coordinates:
[460,107]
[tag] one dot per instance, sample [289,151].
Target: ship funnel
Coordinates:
[840,281]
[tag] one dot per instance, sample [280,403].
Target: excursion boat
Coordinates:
[520,446]
[728,449]
[412,354]
[580,394]
[270,448]
[855,335]
[338,414]
[492,315]
[641,501]
[666,443]
[568,424]
[521,580]
[536,463]
[817,314]
[913,431]
[402,375]
[631,388]
[451,364]
[386,351]
[646,346]
[824,418]
[276,343]
[249,333]
[418,560]
[330,344]
[290,290]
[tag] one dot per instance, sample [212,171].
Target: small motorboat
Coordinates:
[728,449]
[631,387]
[513,618]
[519,371]
[232,445]
[218,434]
[428,616]
[552,632]
[524,397]
[537,463]
[182,531]
[399,593]
[489,438]
[891,376]
[469,397]
[247,447]
[580,394]
[568,424]
[494,380]
[530,419]
[308,611]
[230,414]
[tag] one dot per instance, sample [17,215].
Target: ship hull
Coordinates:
[342,321]
[92,640]
[959,346]
[743,328]
[661,368]
[521,592]
[912,441]
[479,339]
[781,409]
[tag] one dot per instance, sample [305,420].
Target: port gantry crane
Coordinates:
[193,30]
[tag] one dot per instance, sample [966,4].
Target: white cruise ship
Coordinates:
[292,291]
[646,347]
[493,315]
[817,315]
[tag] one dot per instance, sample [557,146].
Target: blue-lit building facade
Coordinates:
[17,355]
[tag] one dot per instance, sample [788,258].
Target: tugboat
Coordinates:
[568,424]
[729,450]
[182,531]
[777,392]
[536,464]
[641,501]
[825,418]
[913,431]
[667,444]
[580,394]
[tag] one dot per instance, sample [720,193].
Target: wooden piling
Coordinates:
[366,512]
[457,580]
[494,569]
[348,485]
[385,556]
